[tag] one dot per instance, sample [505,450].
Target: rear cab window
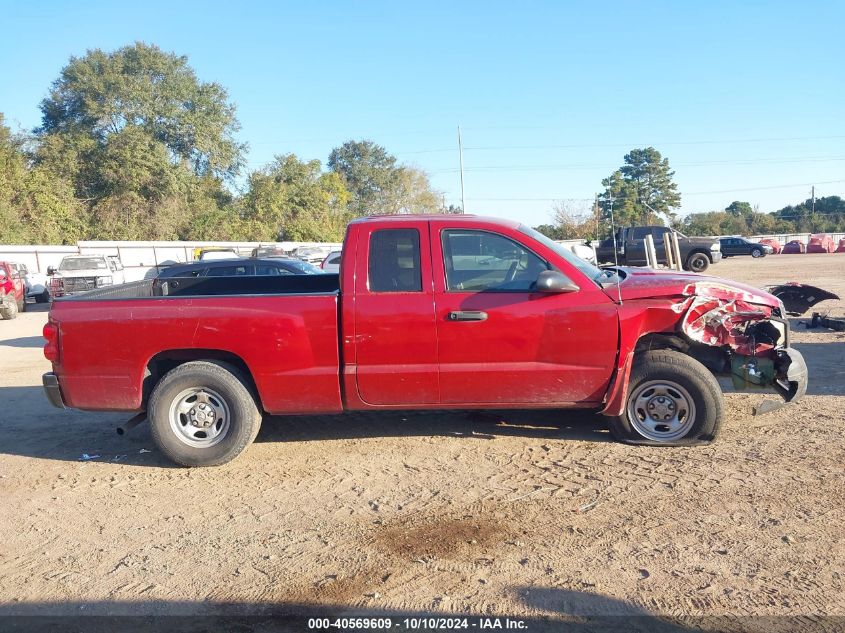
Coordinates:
[394,261]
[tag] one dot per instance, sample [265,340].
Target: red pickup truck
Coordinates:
[428,312]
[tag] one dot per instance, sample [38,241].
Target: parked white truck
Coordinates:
[80,273]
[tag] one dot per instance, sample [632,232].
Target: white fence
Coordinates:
[137,258]
[783,238]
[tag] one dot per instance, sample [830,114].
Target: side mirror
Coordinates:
[51,270]
[553,281]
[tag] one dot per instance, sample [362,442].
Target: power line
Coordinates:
[739,161]
[652,143]
[691,193]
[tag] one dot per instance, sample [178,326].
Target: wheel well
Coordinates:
[164,362]
[702,251]
[715,359]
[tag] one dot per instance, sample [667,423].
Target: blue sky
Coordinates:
[747,100]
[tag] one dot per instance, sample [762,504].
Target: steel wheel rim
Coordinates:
[661,410]
[200,417]
[756,253]
[697,264]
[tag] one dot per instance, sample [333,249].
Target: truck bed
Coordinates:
[283,329]
[214,286]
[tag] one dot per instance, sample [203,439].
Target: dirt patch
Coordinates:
[424,537]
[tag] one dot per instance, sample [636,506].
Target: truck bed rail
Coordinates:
[214,286]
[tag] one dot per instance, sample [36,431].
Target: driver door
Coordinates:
[499,341]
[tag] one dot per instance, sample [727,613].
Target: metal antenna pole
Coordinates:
[615,252]
[461,155]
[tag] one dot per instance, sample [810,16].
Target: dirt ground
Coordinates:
[533,514]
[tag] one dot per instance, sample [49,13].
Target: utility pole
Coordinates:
[461,156]
[813,193]
[596,214]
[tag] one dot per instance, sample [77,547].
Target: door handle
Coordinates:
[464,315]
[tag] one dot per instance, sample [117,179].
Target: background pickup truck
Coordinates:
[81,273]
[697,253]
[428,312]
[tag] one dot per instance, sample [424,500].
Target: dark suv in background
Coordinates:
[733,246]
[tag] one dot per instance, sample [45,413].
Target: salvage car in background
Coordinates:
[428,312]
[243,268]
[734,246]
[820,243]
[331,264]
[37,284]
[794,247]
[697,253]
[312,254]
[773,242]
[81,273]
[12,290]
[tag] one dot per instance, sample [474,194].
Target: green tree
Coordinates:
[738,208]
[35,205]
[371,175]
[140,85]
[414,193]
[641,190]
[146,146]
[294,200]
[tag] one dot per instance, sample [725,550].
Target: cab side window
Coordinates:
[394,264]
[478,261]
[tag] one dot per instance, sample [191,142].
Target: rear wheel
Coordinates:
[697,262]
[203,413]
[673,400]
[44,297]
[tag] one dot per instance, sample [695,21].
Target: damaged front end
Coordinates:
[743,334]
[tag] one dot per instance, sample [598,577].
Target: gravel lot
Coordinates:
[535,514]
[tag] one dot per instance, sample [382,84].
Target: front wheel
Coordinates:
[203,413]
[697,262]
[757,252]
[673,400]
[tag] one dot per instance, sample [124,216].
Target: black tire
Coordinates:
[697,263]
[757,252]
[225,382]
[683,374]
[44,297]
[22,304]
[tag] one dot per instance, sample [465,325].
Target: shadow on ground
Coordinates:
[563,610]
[31,427]
[24,341]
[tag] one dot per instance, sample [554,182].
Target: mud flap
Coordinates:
[790,382]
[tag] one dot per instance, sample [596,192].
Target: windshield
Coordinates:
[83,263]
[593,272]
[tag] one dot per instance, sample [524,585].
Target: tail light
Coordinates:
[51,347]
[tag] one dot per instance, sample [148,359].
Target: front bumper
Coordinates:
[716,256]
[52,390]
[790,382]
